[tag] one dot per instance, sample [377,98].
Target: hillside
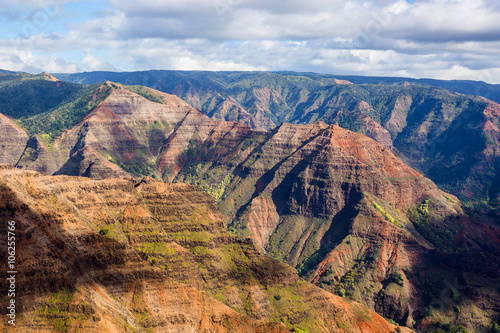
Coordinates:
[149,78]
[123,256]
[351,217]
[338,206]
[449,137]
[24,95]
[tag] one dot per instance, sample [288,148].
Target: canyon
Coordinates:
[338,206]
[449,137]
[123,256]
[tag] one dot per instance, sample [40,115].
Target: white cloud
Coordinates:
[27,61]
[189,55]
[448,20]
[426,38]
[92,63]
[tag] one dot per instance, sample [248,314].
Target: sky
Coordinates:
[442,39]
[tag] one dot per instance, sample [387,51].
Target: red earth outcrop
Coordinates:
[13,141]
[124,256]
[335,204]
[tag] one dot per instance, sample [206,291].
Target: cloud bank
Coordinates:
[449,39]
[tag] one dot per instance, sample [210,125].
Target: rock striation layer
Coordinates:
[338,206]
[419,121]
[123,256]
[13,141]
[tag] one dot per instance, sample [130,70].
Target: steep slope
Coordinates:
[120,256]
[43,106]
[451,138]
[12,141]
[341,208]
[351,217]
[419,122]
[412,116]
[24,95]
[467,87]
[465,158]
[259,99]
[142,137]
[163,80]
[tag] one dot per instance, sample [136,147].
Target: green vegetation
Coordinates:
[235,260]
[157,133]
[146,93]
[289,231]
[139,165]
[397,278]
[431,289]
[456,294]
[441,236]
[386,215]
[310,262]
[104,232]
[439,327]
[218,190]
[404,110]
[392,321]
[299,330]
[62,298]
[140,309]
[204,170]
[350,122]
[342,325]
[59,313]
[348,284]
[24,95]
[198,237]
[449,198]
[291,308]
[52,122]
[155,247]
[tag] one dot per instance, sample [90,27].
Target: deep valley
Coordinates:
[250,202]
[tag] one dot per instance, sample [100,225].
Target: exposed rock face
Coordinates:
[340,207]
[470,148]
[374,130]
[342,81]
[88,163]
[162,262]
[49,77]
[419,122]
[262,220]
[397,121]
[12,141]
[422,121]
[37,156]
[141,136]
[336,205]
[314,172]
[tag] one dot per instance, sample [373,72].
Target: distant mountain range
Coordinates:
[339,206]
[159,78]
